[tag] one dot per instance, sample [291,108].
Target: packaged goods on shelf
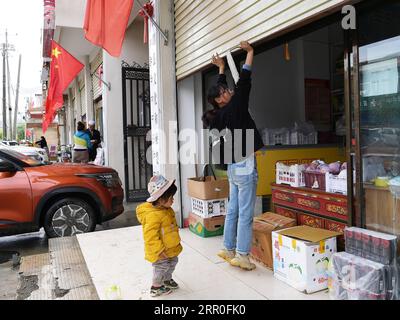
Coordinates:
[315,180]
[292,175]
[303,133]
[326,177]
[336,183]
[302,138]
[375,246]
[355,278]
[273,137]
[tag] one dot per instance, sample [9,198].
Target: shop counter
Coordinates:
[268,156]
[311,207]
[382,210]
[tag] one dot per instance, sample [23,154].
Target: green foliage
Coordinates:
[20,132]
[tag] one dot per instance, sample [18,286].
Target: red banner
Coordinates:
[63,69]
[106,22]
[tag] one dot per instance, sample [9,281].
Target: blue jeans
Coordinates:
[238,229]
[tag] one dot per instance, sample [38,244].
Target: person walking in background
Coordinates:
[82,144]
[95,139]
[42,143]
[231,112]
[162,243]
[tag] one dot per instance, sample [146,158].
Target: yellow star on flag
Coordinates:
[56,52]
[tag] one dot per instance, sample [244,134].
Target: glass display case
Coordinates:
[377,119]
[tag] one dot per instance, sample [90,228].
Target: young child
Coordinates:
[161,234]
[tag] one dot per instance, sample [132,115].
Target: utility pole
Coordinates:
[5,48]
[16,100]
[4,94]
[10,133]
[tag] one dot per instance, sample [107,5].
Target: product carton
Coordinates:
[208,188]
[263,226]
[206,227]
[209,208]
[301,256]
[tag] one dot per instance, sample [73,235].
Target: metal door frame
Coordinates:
[138,75]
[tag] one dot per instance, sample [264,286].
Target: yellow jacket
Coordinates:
[160,231]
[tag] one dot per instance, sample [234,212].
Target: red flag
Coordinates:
[106,22]
[63,69]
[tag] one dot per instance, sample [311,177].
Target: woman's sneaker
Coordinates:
[227,255]
[159,291]
[243,262]
[171,284]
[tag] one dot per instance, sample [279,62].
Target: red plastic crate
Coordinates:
[315,180]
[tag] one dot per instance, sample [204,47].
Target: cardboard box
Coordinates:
[263,226]
[208,189]
[301,256]
[209,208]
[206,227]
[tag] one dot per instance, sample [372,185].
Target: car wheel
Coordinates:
[68,217]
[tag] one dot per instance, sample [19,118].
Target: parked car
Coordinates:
[33,152]
[25,143]
[10,142]
[64,198]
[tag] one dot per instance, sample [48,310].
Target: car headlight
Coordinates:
[109,180]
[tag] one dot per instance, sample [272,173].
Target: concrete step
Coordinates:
[60,274]
[72,280]
[35,278]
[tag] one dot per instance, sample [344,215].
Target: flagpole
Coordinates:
[155,23]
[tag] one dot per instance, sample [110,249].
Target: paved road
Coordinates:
[14,247]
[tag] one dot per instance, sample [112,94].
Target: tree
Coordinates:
[20,132]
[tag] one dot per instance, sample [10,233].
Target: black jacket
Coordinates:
[95,136]
[235,115]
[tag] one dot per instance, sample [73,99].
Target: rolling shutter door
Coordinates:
[96,67]
[204,27]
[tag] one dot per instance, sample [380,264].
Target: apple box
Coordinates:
[301,255]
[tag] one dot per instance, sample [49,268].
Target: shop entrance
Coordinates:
[297,101]
[137,123]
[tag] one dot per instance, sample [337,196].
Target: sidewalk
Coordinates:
[116,257]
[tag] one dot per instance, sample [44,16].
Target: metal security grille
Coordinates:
[137,122]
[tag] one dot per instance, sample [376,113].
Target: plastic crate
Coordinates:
[273,137]
[291,175]
[336,184]
[209,208]
[300,138]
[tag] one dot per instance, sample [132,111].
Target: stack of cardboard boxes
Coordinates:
[299,255]
[209,202]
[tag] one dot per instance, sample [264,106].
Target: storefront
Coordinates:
[344,83]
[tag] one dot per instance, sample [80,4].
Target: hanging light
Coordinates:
[287,53]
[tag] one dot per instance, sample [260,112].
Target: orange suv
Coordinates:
[64,198]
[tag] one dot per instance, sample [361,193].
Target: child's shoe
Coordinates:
[171,284]
[227,255]
[159,291]
[243,262]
